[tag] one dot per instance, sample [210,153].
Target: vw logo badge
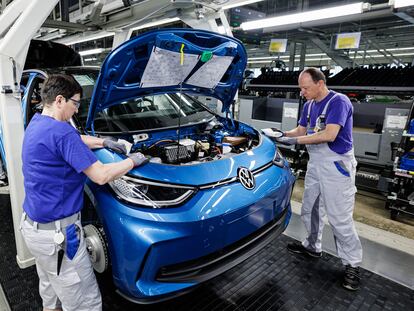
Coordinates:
[246,178]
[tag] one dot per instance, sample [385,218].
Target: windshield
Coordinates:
[138,114]
[145,113]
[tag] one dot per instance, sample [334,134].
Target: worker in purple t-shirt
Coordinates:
[56,162]
[325,127]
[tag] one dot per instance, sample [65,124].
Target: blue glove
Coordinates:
[112,144]
[287,140]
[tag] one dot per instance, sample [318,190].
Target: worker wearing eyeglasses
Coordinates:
[56,163]
[75,102]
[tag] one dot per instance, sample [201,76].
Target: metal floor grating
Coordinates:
[273,279]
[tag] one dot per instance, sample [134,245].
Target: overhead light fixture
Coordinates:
[249,61]
[317,54]
[51,36]
[284,56]
[381,55]
[267,57]
[401,3]
[317,59]
[84,38]
[400,49]
[236,4]
[91,52]
[258,61]
[156,23]
[314,15]
[387,50]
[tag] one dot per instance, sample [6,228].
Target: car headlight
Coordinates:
[279,160]
[149,193]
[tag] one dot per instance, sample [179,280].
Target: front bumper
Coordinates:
[157,254]
[207,267]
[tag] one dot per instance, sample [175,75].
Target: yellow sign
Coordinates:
[348,40]
[346,43]
[277,45]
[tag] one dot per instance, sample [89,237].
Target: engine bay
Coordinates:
[210,141]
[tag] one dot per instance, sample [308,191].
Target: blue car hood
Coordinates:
[167,61]
[202,173]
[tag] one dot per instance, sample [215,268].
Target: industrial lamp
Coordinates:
[314,15]
[240,3]
[401,3]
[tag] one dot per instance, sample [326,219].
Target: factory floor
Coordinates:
[370,210]
[272,279]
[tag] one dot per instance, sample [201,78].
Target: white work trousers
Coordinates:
[330,188]
[75,288]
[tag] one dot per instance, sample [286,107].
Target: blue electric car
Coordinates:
[215,191]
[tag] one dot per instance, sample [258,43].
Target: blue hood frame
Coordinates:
[122,70]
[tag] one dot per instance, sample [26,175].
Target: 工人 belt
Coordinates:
[64,222]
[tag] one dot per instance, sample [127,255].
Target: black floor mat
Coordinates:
[273,279]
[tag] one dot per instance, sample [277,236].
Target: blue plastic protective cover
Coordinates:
[122,70]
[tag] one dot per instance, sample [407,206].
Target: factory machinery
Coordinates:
[400,197]
[382,99]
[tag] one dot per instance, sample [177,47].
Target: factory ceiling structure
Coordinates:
[387,31]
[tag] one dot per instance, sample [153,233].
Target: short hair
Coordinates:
[59,84]
[315,74]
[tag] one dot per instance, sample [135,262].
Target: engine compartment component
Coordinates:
[181,151]
[202,143]
[234,141]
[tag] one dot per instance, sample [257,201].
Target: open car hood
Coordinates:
[47,54]
[170,60]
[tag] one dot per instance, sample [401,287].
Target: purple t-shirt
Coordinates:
[339,112]
[54,157]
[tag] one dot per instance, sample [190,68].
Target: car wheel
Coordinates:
[97,247]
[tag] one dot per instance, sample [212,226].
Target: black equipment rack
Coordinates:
[400,198]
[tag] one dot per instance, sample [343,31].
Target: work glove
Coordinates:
[112,144]
[273,132]
[287,140]
[138,158]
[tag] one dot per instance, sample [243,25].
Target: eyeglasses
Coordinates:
[77,103]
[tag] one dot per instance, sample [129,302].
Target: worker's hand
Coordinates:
[273,132]
[114,145]
[138,158]
[287,140]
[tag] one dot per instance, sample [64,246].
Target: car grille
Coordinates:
[207,267]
